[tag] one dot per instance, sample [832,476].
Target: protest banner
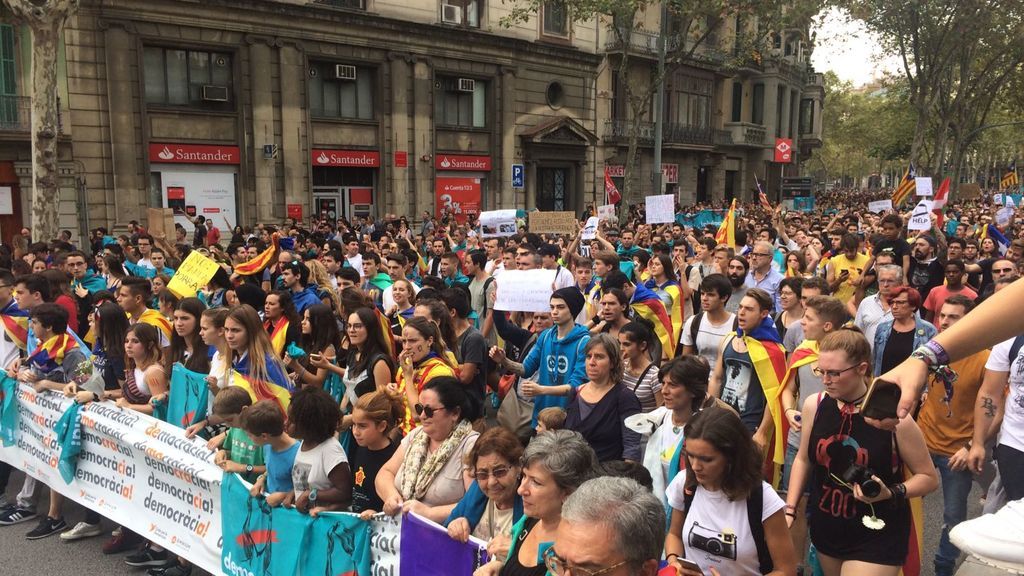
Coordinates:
[495,223]
[660,209]
[701,219]
[879,206]
[552,222]
[923,185]
[192,275]
[921,217]
[160,222]
[606,212]
[524,290]
[385,544]
[424,542]
[590,229]
[188,399]
[968,191]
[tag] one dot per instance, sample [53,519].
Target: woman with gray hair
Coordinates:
[598,409]
[607,524]
[555,464]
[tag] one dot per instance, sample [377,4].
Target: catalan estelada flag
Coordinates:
[49,355]
[15,324]
[421,264]
[278,331]
[1010,179]
[906,186]
[727,231]
[275,385]
[769,360]
[761,196]
[262,260]
[646,304]
[675,311]
[157,320]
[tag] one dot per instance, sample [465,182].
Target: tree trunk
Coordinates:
[46,21]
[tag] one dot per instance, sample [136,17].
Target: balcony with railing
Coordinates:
[645,43]
[746,134]
[672,133]
[16,115]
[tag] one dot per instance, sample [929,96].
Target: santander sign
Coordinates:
[462,162]
[346,158]
[193,154]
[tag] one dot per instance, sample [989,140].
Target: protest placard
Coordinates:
[968,191]
[997,199]
[192,275]
[524,290]
[590,229]
[495,223]
[920,218]
[879,206]
[923,185]
[660,209]
[1004,215]
[160,222]
[606,212]
[552,222]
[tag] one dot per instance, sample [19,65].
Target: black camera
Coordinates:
[857,474]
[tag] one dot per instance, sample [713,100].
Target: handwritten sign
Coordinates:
[997,198]
[552,223]
[923,185]
[1004,215]
[606,212]
[498,223]
[920,218]
[192,275]
[879,206]
[590,229]
[968,191]
[524,290]
[160,222]
[661,209]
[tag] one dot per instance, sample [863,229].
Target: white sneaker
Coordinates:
[996,539]
[81,530]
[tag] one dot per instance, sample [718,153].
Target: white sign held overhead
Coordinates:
[997,199]
[921,217]
[879,206]
[590,229]
[1009,201]
[498,223]
[606,212]
[524,290]
[661,209]
[1004,215]
[923,185]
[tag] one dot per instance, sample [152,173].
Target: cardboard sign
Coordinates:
[192,275]
[968,191]
[552,222]
[879,206]
[606,212]
[923,185]
[920,218]
[160,222]
[590,229]
[661,209]
[498,223]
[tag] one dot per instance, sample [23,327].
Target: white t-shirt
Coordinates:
[716,533]
[709,336]
[869,315]
[1011,433]
[312,467]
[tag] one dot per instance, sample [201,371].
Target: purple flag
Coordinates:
[428,551]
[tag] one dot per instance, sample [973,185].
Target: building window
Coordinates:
[354,4]
[179,77]
[737,102]
[807,116]
[341,91]
[757,105]
[780,95]
[461,102]
[461,12]
[690,101]
[555,16]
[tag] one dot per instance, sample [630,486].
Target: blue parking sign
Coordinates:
[518,176]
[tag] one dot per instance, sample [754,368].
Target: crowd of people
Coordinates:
[653,415]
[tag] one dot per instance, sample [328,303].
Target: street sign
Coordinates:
[797,187]
[518,176]
[783,150]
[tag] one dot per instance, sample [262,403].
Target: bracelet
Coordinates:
[940,353]
[790,514]
[926,355]
[668,557]
[899,491]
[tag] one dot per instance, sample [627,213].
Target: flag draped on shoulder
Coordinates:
[806,353]
[278,331]
[1010,179]
[156,320]
[727,231]
[49,355]
[769,359]
[906,186]
[275,385]
[262,260]
[646,304]
[15,322]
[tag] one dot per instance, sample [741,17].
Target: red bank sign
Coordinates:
[464,163]
[160,153]
[346,158]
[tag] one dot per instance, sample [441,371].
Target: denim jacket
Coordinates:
[923,332]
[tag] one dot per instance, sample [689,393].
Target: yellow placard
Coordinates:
[192,275]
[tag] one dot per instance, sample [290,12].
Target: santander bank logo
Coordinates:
[445,163]
[166,154]
[323,159]
[467,163]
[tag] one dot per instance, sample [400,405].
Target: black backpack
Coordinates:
[695,329]
[755,506]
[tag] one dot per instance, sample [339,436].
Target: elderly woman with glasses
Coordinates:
[491,505]
[897,338]
[555,464]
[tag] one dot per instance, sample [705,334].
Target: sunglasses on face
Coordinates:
[427,411]
[497,473]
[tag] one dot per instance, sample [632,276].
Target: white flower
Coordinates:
[873,522]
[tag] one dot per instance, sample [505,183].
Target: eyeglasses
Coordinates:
[831,374]
[427,411]
[497,473]
[1002,270]
[560,566]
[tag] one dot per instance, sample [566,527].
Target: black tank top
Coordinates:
[512,566]
[838,440]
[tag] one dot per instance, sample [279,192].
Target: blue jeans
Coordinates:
[956,487]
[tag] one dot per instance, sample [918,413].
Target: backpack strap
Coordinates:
[695,328]
[1018,343]
[755,508]
[642,376]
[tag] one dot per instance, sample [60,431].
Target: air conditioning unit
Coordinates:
[451,14]
[344,72]
[466,85]
[212,93]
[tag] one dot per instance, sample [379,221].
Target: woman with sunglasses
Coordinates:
[555,464]
[427,475]
[896,339]
[491,505]
[859,516]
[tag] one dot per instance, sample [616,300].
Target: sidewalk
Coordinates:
[974,567]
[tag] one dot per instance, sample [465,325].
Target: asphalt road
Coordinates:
[53,556]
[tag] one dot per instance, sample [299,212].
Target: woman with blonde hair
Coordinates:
[253,357]
[319,277]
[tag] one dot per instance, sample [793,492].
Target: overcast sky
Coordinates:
[846,48]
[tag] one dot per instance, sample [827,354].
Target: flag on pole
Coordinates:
[261,261]
[939,202]
[906,186]
[727,231]
[610,190]
[1010,179]
[761,196]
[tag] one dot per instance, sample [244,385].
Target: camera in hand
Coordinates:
[857,474]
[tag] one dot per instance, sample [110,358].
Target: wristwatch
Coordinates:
[312,495]
[248,468]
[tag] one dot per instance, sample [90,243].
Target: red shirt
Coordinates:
[68,303]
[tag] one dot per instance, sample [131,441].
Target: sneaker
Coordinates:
[995,539]
[176,569]
[81,530]
[16,515]
[149,558]
[121,540]
[47,527]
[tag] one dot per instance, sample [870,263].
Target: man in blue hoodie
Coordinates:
[295,277]
[557,360]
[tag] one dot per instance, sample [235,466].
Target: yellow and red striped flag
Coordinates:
[264,259]
[1009,179]
[727,231]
